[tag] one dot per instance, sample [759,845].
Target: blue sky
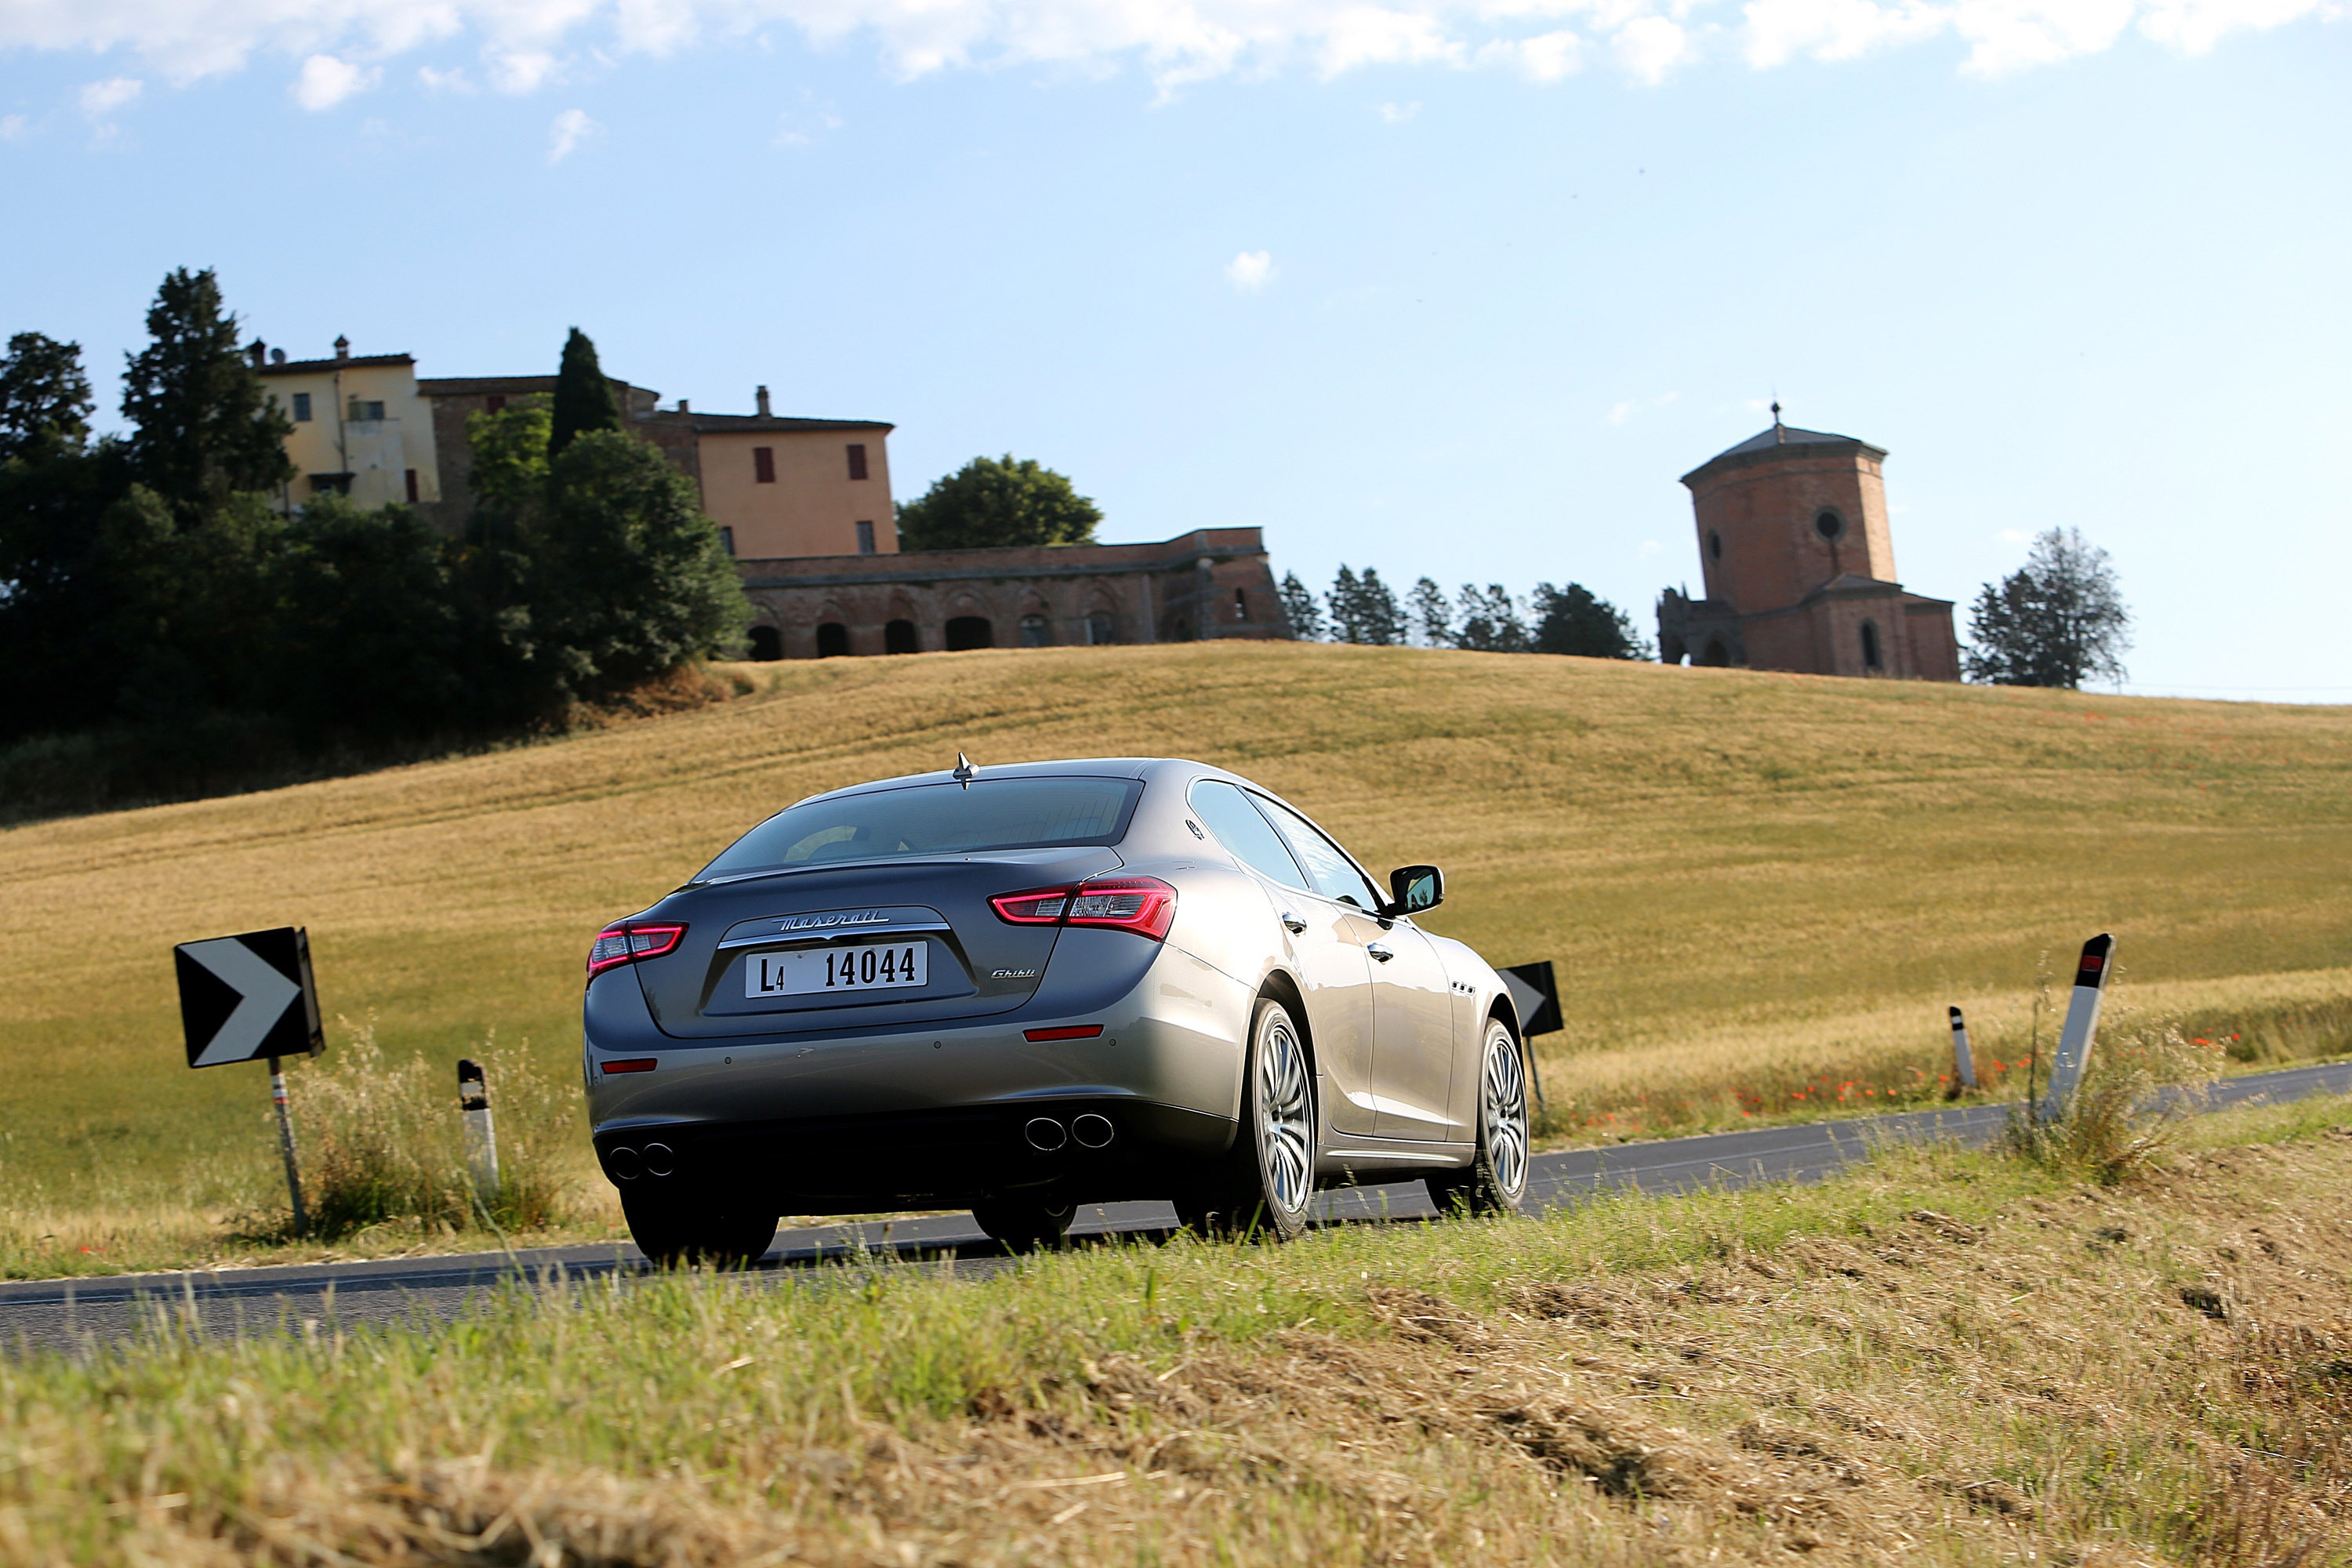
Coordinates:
[1447,289]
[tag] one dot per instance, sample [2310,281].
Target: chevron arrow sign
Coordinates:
[247,997]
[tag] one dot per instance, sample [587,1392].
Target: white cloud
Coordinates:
[452,81]
[523,43]
[325,81]
[1398,113]
[1651,547]
[99,100]
[1623,413]
[1250,271]
[572,128]
[14,127]
[2011,536]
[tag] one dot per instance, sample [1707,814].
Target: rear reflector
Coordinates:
[634,1064]
[628,943]
[1066,1032]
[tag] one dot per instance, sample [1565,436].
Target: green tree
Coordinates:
[627,578]
[994,503]
[44,402]
[203,428]
[1363,610]
[1578,621]
[1301,609]
[2055,621]
[1491,622]
[367,627]
[584,398]
[1433,617]
[508,477]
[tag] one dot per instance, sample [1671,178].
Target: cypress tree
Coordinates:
[204,428]
[584,398]
[44,402]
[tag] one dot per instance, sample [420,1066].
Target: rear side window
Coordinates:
[1238,827]
[935,819]
[1335,875]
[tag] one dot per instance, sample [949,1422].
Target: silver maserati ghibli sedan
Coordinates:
[1017,989]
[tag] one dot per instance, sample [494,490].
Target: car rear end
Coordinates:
[919,994]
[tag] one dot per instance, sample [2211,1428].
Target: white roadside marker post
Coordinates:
[2082,1023]
[481,1134]
[286,1145]
[1962,1062]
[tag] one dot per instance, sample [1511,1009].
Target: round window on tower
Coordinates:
[1830,526]
[1714,544]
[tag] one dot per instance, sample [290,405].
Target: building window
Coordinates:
[899,636]
[1241,605]
[727,539]
[330,484]
[362,412]
[412,486]
[970,631]
[857,459]
[764,465]
[1870,647]
[494,403]
[1101,630]
[1034,632]
[767,644]
[1714,545]
[832,640]
[1830,526]
[301,408]
[866,539]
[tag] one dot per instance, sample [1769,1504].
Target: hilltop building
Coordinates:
[802,504]
[1798,566]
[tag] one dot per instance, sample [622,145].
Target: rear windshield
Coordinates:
[935,819]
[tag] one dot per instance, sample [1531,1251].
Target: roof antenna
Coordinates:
[1780,435]
[964,771]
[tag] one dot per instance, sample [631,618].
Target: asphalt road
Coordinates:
[77,1314]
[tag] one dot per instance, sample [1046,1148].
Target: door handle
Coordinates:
[1292,923]
[1382,953]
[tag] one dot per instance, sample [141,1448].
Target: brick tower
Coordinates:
[1799,565]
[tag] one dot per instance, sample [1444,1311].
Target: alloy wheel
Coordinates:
[1285,1116]
[1504,1102]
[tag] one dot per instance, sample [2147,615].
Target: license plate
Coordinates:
[873,967]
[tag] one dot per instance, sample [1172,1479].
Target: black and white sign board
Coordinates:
[1535,995]
[244,997]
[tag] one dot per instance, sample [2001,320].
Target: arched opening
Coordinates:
[899,636]
[767,644]
[1241,605]
[970,632]
[832,639]
[1101,629]
[1716,655]
[1870,659]
[1035,632]
[1714,544]
[1830,526]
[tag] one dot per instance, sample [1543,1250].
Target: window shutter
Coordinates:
[412,486]
[764,465]
[857,459]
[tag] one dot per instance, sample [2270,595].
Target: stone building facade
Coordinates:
[1799,564]
[1210,583]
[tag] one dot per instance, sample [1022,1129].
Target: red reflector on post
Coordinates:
[634,1064]
[1065,1032]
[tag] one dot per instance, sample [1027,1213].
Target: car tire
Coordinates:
[1264,1185]
[1495,1180]
[673,1233]
[1020,1225]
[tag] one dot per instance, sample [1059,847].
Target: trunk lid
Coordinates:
[830,948]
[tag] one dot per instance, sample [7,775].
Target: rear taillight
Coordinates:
[1144,905]
[628,943]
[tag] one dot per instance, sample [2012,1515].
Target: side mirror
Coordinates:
[1414,888]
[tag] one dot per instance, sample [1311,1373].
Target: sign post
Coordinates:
[2082,1023]
[1536,993]
[481,1133]
[251,996]
[1963,1062]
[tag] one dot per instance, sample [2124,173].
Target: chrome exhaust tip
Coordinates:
[624,1165]
[1044,1134]
[1093,1131]
[659,1161]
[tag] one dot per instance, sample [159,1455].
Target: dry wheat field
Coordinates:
[1761,890]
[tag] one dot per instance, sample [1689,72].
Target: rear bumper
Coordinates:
[932,1117]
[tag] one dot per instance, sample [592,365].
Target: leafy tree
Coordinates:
[1491,622]
[1433,617]
[1301,609]
[204,428]
[994,503]
[510,473]
[44,402]
[368,630]
[584,398]
[1578,621]
[627,578]
[2053,621]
